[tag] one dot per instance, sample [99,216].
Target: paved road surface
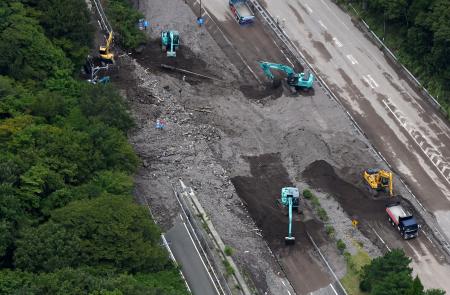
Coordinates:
[402,126]
[407,130]
[185,252]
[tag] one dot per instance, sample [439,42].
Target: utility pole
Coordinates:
[200,14]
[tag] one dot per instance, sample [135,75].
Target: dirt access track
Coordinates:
[238,142]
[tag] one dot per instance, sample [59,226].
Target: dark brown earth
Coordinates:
[359,204]
[261,192]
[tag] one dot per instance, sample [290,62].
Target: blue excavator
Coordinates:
[170,42]
[290,198]
[297,80]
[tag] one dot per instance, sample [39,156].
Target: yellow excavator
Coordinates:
[105,54]
[379,180]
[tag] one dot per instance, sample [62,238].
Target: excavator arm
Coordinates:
[289,240]
[267,66]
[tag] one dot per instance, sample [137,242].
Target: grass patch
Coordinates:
[354,264]
[228,250]
[307,194]
[330,231]
[322,214]
[228,268]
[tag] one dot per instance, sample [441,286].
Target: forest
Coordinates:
[418,32]
[68,221]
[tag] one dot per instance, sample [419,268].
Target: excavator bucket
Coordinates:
[289,240]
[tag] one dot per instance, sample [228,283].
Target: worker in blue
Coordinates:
[145,24]
[200,21]
[160,124]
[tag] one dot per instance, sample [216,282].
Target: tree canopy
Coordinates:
[68,223]
[392,275]
[419,32]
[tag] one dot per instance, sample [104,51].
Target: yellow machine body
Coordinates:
[105,53]
[378,179]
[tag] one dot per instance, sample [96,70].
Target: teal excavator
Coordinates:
[170,41]
[290,199]
[297,80]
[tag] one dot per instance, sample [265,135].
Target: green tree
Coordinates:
[124,20]
[67,23]
[389,268]
[109,231]
[25,52]
[103,102]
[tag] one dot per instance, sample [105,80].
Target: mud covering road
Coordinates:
[358,203]
[218,135]
[261,192]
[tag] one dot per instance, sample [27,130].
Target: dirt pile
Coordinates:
[261,192]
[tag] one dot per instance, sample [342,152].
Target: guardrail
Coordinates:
[295,52]
[401,67]
[104,23]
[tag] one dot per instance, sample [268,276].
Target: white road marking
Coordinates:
[334,289]
[428,150]
[352,59]
[323,25]
[308,8]
[373,81]
[204,265]
[367,81]
[336,41]
[384,243]
[323,2]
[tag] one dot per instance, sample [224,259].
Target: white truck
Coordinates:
[241,11]
[404,222]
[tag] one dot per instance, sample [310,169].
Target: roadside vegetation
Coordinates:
[124,19]
[386,275]
[68,223]
[418,32]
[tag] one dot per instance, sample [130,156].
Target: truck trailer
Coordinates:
[241,11]
[404,222]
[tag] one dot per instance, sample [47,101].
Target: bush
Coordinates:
[228,250]
[330,231]
[124,19]
[228,268]
[322,214]
[341,245]
[307,194]
[315,202]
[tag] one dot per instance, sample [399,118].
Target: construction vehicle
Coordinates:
[297,80]
[241,11]
[379,180]
[170,42]
[105,54]
[403,221]
[291,200]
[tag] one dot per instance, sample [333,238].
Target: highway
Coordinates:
[406,129]
[401,125]
[186,253]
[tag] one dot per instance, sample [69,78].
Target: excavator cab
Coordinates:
[104,51]
[379,180]
[290,199]
[170,42]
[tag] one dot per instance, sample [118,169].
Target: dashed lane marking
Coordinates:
[373,81]
[334,289]
[337,42]
[352,60]
[369,80]
[323,25]
[431,152]
[308,8]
